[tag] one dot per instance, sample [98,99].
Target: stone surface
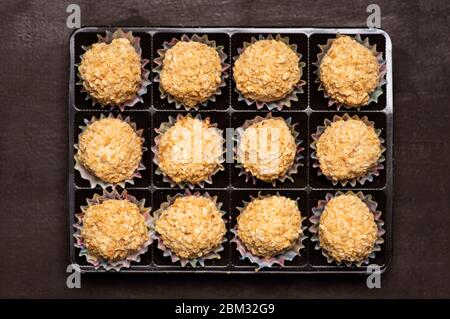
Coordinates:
[34,146]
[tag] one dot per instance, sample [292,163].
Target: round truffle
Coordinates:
[111,73]
[269,226]
[267,149]
[191,227]
[110,149]
[267,71]
[191,72]
[114,229]
[349,72]
[190,151]
[348,149]
[347,229]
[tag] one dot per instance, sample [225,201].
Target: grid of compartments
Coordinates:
[307,187]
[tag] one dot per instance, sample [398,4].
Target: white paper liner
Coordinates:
[159,66]
[94,180]
[99,262]
[135,42]
[155,149]
[288,99]
[373,97]
[279,259]
[298,156]
[374,171]
[315,219]
[167,252]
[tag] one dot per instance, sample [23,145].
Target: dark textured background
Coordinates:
[34,60]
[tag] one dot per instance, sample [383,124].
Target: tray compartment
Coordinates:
[142,120]
[300,39]
[88,38]
[80,200]
[300,179]
[220,179]
[222,101]
[317,261]
[159,197]
[316,119]
[237,198]
[317,99]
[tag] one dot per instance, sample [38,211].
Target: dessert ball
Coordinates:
[190,151]
[267,149]
[347,229]
[267,71]
[191,227]
[348,149]
[269,226]
[110,149]
[349,72]
[114,229]
[191,72]
[111,73]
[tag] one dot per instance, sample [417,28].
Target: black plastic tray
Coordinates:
[231,189]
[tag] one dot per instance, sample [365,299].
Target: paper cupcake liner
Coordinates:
[296,164]
[315,219]
[262,262]
[155,149]
[159,66]
[135,42]
[374,171]
[99,262]
[94,180]
[381,76]
[167,252]
[288,99]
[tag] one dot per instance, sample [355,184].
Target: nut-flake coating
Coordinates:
[110,149]
[191,227]
[190,151]
[348,149]
[191,72]
[111,73]
[269,226]
[347,229]
[267,149]
[349,72]
[114,229]
[267,71]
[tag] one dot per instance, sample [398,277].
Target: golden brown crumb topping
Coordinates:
[349,72]
[267,149]
[267,71]
[348,149]
[114,229]
[110,149]
[347,229]
[111,73]
[191,72]
[191,227]
[190,151]
[269,226]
